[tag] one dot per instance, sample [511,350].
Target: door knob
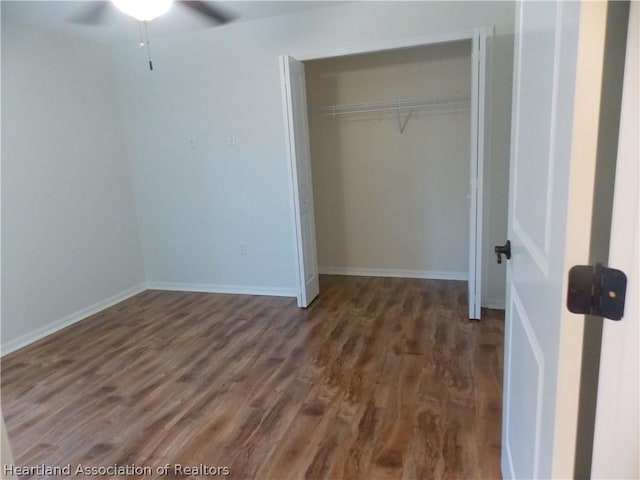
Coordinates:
[503,250]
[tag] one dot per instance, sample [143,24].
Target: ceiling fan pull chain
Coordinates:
[142,43]
[146,31]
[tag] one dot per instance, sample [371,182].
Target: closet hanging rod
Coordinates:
[397,105]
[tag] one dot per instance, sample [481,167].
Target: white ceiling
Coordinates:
[118,27]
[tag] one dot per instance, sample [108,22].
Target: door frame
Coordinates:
[478,37]
[616,436]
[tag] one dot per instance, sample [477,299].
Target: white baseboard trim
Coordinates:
[388,272]
[228,289]
[28,338]
[493,304]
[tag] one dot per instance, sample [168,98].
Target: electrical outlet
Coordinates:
[243,248]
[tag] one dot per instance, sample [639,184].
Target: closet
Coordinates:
[390,150]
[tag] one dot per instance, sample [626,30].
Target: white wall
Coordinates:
[69,230]
[197,202]
[389,201]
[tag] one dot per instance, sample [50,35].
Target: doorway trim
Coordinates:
[478,37]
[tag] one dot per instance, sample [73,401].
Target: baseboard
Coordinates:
[28,338]
[493,304]
[229,289]
[388,272]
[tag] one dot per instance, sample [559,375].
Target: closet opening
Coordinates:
[385,149]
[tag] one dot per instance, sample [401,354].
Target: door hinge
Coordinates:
[597,290]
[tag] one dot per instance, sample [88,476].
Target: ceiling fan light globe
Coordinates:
[143,10]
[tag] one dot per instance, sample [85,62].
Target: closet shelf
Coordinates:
[399,105]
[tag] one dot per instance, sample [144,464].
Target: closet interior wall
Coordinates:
[391,187]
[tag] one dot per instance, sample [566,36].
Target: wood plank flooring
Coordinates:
[378,378]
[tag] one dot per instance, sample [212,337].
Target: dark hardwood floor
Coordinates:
[378,378]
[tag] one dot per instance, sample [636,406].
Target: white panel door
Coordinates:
[478,69]
[616,449]
[295,113]
[557,72]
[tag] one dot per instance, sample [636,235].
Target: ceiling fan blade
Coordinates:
[216,14]
[91,15]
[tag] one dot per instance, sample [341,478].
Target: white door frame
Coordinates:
[616,445]
[478,37]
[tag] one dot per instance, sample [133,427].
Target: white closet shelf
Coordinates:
[412,104]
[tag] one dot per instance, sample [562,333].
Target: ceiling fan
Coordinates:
[146,10]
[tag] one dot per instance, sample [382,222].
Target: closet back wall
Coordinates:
[389,202]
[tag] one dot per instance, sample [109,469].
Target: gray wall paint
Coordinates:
[386,199]
[199,198]
[69,232]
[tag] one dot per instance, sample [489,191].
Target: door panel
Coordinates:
[554,120]
[534,172]
[533,304]
[477,131]
[308,251]
[295,113]
[525,391]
